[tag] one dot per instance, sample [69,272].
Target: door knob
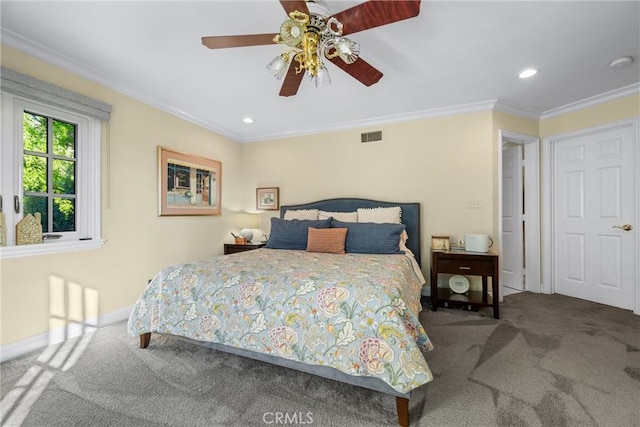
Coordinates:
[626,227]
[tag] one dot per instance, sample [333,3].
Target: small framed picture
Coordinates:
[440,243]
[267,199]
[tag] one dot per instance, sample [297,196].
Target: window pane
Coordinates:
[35,173]
[34,132]
[64,139]
[33,204]
[64,215]
[64,177]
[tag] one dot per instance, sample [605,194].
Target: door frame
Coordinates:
[531,164]
[548,267]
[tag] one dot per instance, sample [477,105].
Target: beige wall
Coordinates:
[139,243]
[607,112]
[440,162]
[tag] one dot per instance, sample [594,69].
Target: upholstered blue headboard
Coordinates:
[410,214]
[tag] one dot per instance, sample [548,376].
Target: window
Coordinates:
[48,171]
[50,160]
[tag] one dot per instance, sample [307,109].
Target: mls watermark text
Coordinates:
[287,418]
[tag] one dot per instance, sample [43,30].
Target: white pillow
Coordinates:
[340,216]
[403,242]
[380,215]
[301,214]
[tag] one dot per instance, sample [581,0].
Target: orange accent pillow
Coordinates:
[326,240]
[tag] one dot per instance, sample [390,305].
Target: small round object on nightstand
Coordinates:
[459,284]
[247,234]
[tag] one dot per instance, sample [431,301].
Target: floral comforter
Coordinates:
[354,312]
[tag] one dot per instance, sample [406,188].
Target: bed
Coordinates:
[351,317]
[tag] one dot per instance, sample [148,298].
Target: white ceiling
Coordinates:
[453,54]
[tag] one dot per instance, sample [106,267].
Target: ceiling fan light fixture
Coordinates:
[278,66]
[322,78]
[314,35]
[348,50]
[334,27]
[292,32]
[313,38]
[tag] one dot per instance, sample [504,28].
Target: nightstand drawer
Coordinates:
[472,267]
[230,248]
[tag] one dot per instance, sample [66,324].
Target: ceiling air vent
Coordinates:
[371,136]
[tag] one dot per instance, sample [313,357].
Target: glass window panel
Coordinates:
[64,214]
[35,173]
[34,129]
[33,204]
[64,139]
[64,177]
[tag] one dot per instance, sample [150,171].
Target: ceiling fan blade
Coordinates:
[361,70]
[375,13]
[292,5]
[221,42]
[291,81]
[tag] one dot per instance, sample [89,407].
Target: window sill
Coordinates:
[47,248]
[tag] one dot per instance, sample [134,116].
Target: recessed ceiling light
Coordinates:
[621,62]
[247,120]
[526,73]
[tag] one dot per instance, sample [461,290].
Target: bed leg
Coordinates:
[403,411]
[144,340]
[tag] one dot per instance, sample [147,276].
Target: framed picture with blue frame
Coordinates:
[188,184]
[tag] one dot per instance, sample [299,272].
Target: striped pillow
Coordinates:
[326,240]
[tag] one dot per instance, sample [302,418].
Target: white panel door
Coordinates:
[512,206]
[594,192]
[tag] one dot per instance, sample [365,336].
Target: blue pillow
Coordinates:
[292,233]
[372,238]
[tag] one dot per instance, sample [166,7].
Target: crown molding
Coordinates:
[56,58]
[525,113]
[593,100]
[381,120]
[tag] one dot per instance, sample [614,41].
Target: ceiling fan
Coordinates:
[315,36]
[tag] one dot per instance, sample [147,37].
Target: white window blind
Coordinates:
[55,96]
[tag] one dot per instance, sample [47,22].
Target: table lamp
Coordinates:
[246,222]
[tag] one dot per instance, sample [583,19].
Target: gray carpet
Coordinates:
[550,361]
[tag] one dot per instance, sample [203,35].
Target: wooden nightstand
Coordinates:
[232,248]
[465,263]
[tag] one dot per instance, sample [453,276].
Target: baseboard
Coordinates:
[55,336]
[510,291]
